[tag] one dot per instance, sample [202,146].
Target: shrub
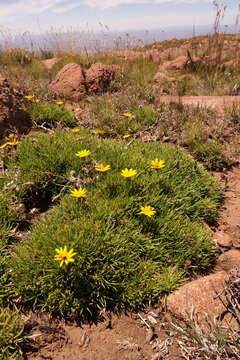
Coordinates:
[146,115]
[51,115]
[123,259]
[210,153]
[11,334]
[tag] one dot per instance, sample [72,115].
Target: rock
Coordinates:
[13,115]
[180,63]
[98,78]
[223,239]
[152,320]
[199,295]
[228,260]
[74,83]
[49,63]
[160,76]
[70,82]
[234,62]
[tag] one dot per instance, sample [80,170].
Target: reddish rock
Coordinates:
[180,63]
[70,82]
[13,115]
[223,239]
[160,76]
[200,296]
[98,78]
[228,260]
[49,63]
[234,62]
[154,56]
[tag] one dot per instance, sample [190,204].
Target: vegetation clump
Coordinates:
[11,334]
[131,236]
[50,115]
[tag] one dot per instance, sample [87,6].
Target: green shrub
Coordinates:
[51,115]
[11,334]
[9,217]
[210,153]
[123,258]
[146,115]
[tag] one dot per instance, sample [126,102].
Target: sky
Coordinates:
[39,15]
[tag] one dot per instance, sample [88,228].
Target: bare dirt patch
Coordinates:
[126,337]
[215,102]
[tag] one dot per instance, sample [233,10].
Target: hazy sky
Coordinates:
[35,15]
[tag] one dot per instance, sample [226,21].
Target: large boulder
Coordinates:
[199,295]
[74,83]
[70,82]
[98,78]
[180,63]
[13,115]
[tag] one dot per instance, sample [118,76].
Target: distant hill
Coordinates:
[94,41]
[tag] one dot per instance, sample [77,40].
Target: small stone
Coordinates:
[150,335]
[228,260]
[152,320]
[223,239]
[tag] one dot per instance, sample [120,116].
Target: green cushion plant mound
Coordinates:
[51,115]
[11,334]
[123,258]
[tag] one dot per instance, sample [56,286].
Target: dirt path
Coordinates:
[227,235]
[215,102]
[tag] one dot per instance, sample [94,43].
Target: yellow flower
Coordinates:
[103,168]
[59,102]
[14,142]
[98,132]
[83,153]
[75,130]
[127,114]
[36,101]
[64,256]
[157,164]
[78,193]
[147,210]
[29,97]
[128,173]
[126,136]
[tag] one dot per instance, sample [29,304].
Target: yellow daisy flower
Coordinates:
[128,173]
[78,193]
[64,256]
[83,153]
[29,97]
[98,132]
[59,102]
[147,210]
[14,142]
[157,164]
[127,114]
[126,136]
[75,130]
[103,168]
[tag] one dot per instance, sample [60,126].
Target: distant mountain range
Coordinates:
[104,40]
